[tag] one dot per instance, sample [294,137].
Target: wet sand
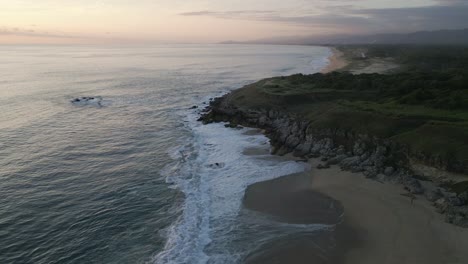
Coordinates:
[290,200]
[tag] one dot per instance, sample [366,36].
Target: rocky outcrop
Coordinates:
[378,159]
[82,101]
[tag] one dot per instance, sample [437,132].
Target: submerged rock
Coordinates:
[82,101]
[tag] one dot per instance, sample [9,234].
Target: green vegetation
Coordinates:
[424,105]
[414,57]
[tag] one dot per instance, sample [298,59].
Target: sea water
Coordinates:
[135,178]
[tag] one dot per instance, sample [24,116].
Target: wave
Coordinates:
[213,172]
[213,194]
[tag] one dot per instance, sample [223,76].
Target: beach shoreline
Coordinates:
[378,224]
[336,61]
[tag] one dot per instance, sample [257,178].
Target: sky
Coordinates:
[211,21]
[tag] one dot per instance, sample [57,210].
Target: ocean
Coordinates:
[133,178]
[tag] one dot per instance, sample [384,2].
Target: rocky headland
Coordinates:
[328,122]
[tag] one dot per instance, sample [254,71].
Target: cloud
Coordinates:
[451,2]
[448,14]
[34,32]
[240,14]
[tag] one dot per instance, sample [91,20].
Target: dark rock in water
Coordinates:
[217,165]
[194,107]
[231,125]
[85,100]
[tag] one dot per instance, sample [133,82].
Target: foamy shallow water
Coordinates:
[103,184]
[213,173]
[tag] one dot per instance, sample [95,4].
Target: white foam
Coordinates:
[213,173]
[214,192]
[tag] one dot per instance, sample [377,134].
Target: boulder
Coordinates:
[323,166]
[434,195]
[303,149]
[370,172]
[381,177]
[457,216]
[349,162]
[441,205]
[388,171]
[413,186]
[341,150]
[455,201]
[464,197]
[337,159]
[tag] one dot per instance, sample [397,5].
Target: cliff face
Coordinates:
[291,134]
[379,159]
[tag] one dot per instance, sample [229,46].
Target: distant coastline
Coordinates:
[336,61]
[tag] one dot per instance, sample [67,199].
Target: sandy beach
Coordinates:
[336,61]
[379,225]
[391,229]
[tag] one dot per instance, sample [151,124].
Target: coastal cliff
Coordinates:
[315,122]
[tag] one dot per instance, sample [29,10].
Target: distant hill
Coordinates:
[452,37]
[439,37]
